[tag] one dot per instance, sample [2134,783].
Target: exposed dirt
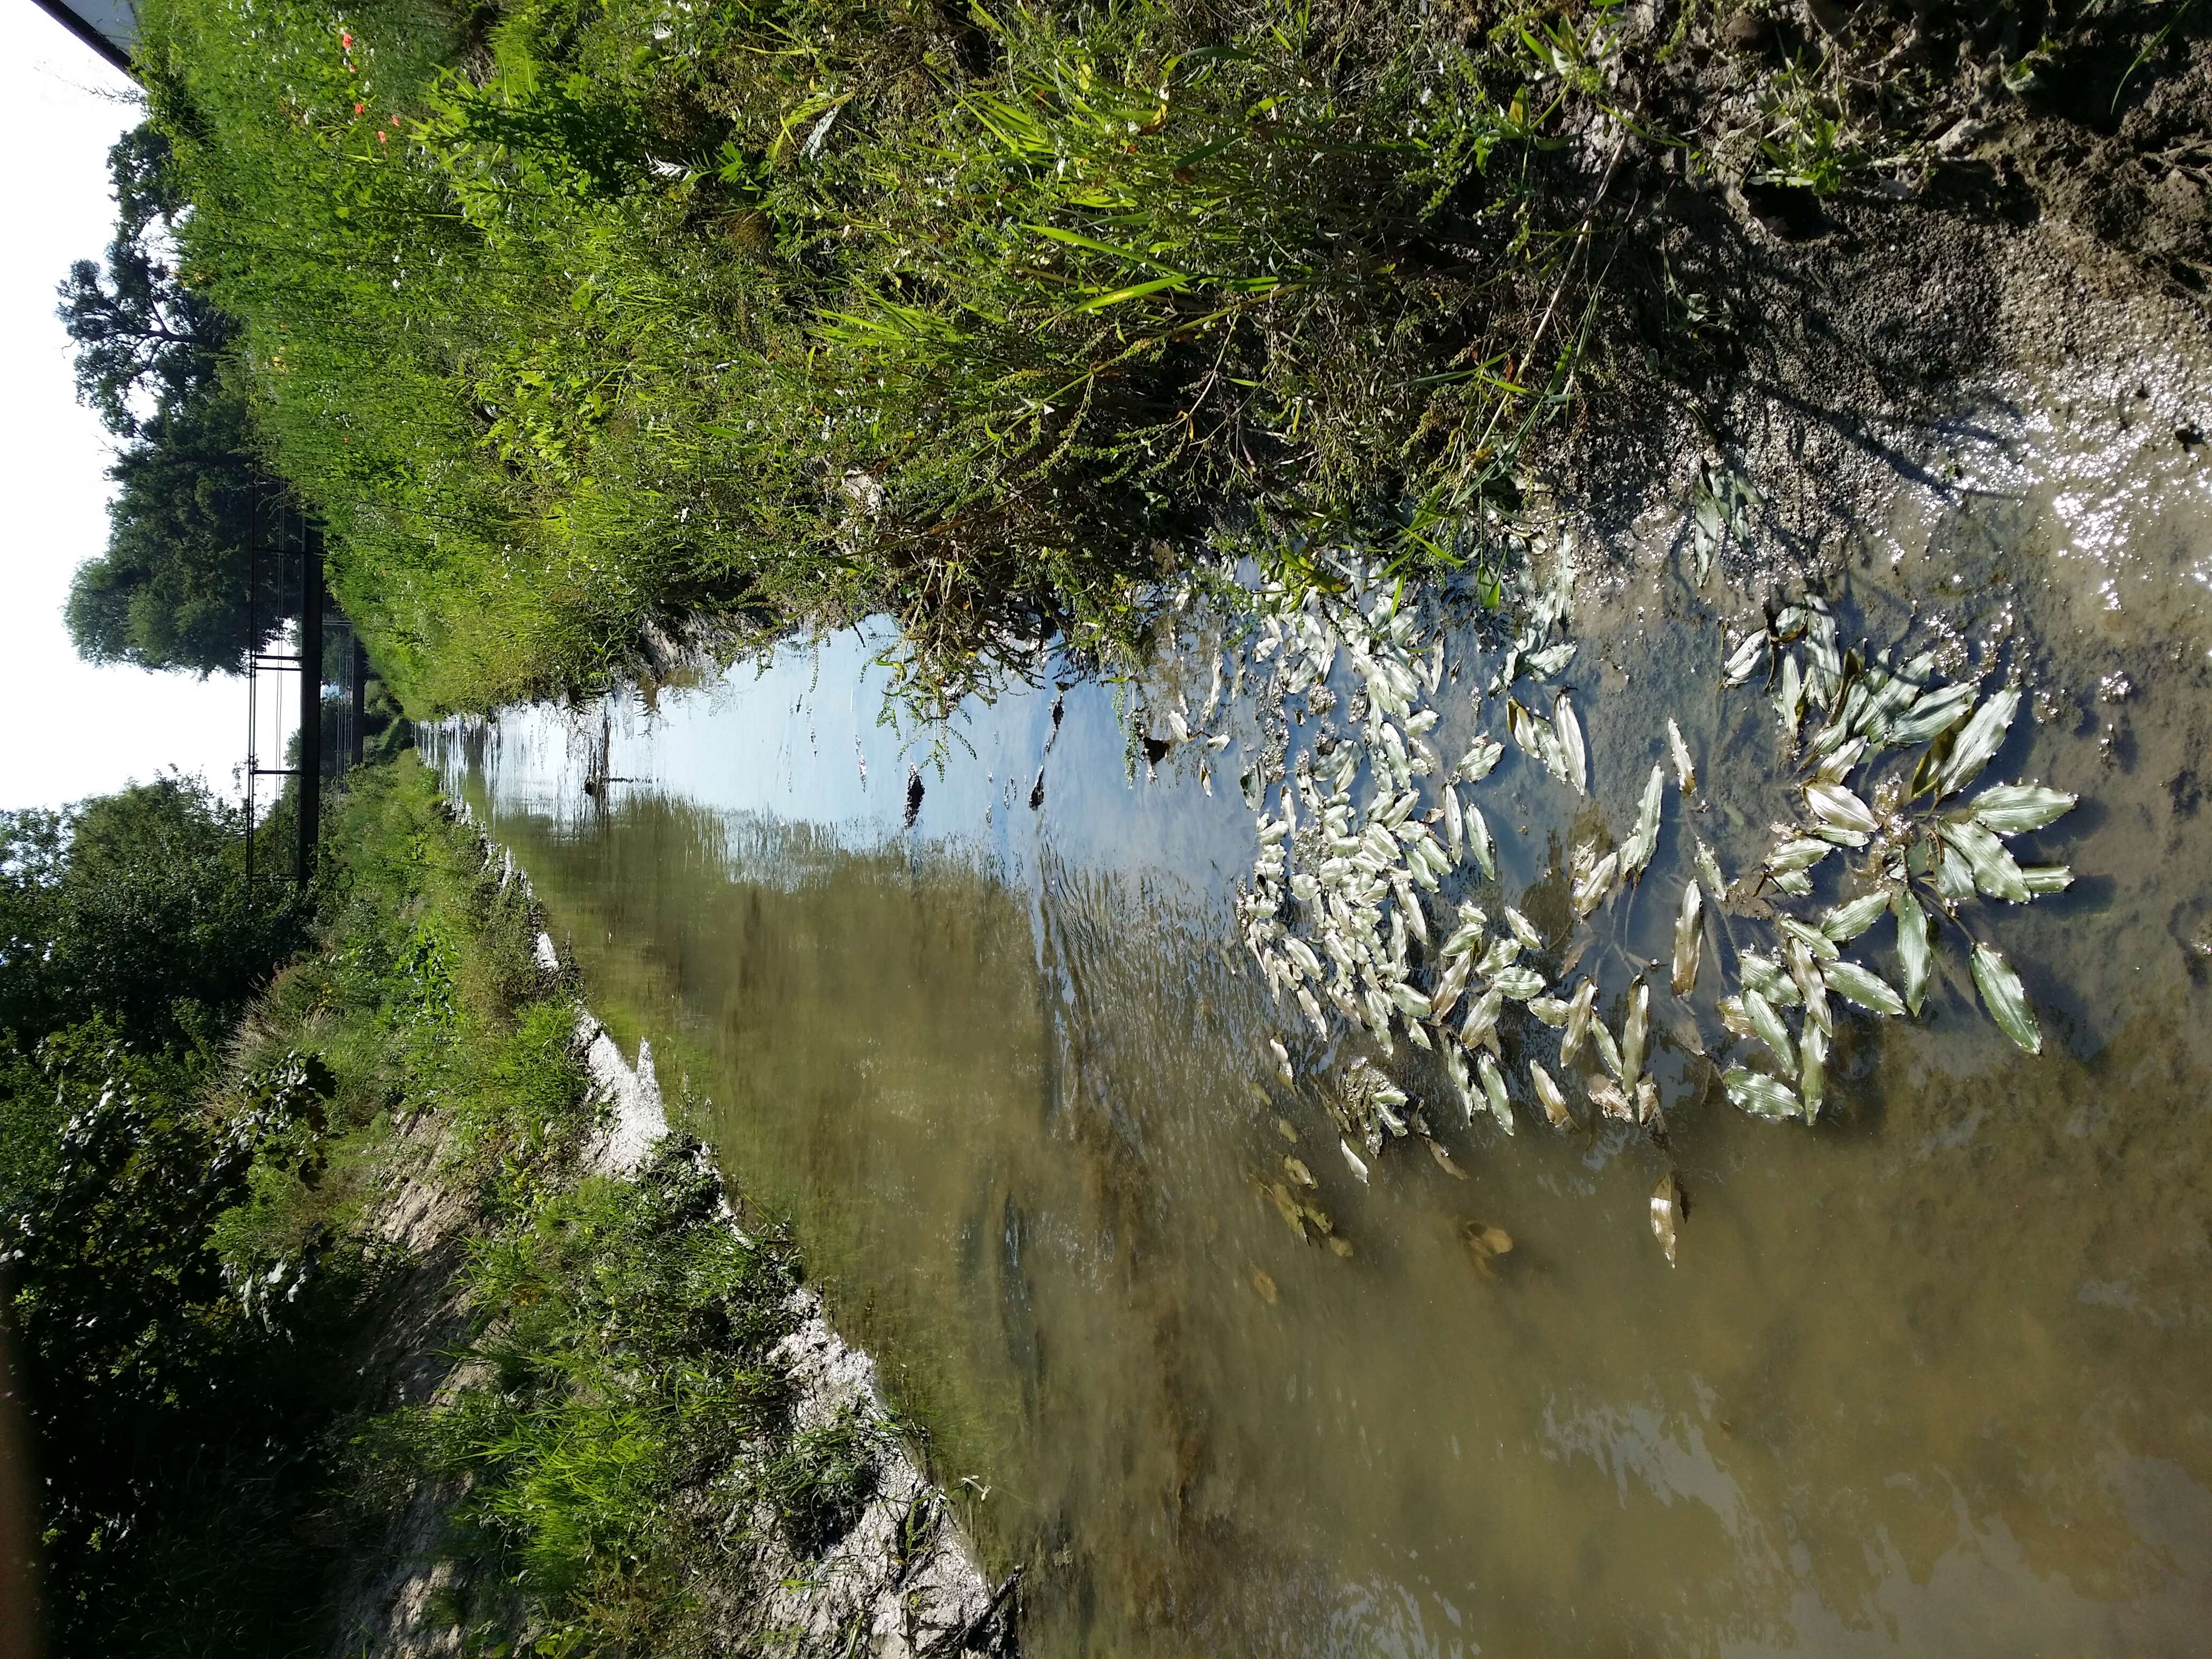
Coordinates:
[1821,349]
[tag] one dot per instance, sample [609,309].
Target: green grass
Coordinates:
[623,1335]
[592,325]
[598,320]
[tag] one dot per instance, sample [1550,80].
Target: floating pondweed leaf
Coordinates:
[1572,749]
[1838,808]
[1955,876]
[1980,739]
[1300,1175]
[1867,989]
[1288,1130]
[1812,1069]
[1636,851]
[1709,868]
[1443,1159]
[1647,1108]
[1579,1008]
[2041,879]
[1914,946]
[1764,974]
[1812,991]
[1549,1098]
[1797,853]
[1493,1089]
[1810,940]
[1846,922]
[1666,1213]
[1479,842]
[1463,1081]
[1771,1029]
[1553,1011]
[1588,890]
[1462,938]
[1688,937]
[1264,1286]
[1686,769]
[2006,999]
[1743,662]
[1521,726]
[1930,715]
[1358,1166]
[1282,1060]
[1518,983]
[1994,871]
[1760,1095]
[2012,809]
[1522,929]
[1609,1051]
[1789,700]
[1480,1028]
[1449,988]
[1475,765]
[1635,1030]
[1551,660]
[1835,768]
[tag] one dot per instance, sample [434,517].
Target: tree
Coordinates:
[167,1408]
[143,339]
[134,907]
[170,591]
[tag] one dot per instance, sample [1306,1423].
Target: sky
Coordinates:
[71,729]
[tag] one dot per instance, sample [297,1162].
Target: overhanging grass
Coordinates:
[580,320]
[585,324]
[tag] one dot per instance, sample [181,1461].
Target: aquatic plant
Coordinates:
[1364,912]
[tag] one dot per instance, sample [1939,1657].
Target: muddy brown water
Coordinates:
[1934,1377]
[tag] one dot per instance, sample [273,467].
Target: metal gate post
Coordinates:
[311,698]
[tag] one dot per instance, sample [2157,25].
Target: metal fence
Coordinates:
[299,653]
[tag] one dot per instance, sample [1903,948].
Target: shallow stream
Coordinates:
[1932,1377]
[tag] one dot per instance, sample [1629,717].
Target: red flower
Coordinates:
[395,120]
[345,39]
[360,109]
[382,136]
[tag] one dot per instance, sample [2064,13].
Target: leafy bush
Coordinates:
[173,1405]
[135,906]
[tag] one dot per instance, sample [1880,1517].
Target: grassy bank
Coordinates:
[595,330]
[352,1315]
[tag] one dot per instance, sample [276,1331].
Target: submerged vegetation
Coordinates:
[1880,754]
[600,332]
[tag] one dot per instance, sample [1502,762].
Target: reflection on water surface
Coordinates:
[1930,1378]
